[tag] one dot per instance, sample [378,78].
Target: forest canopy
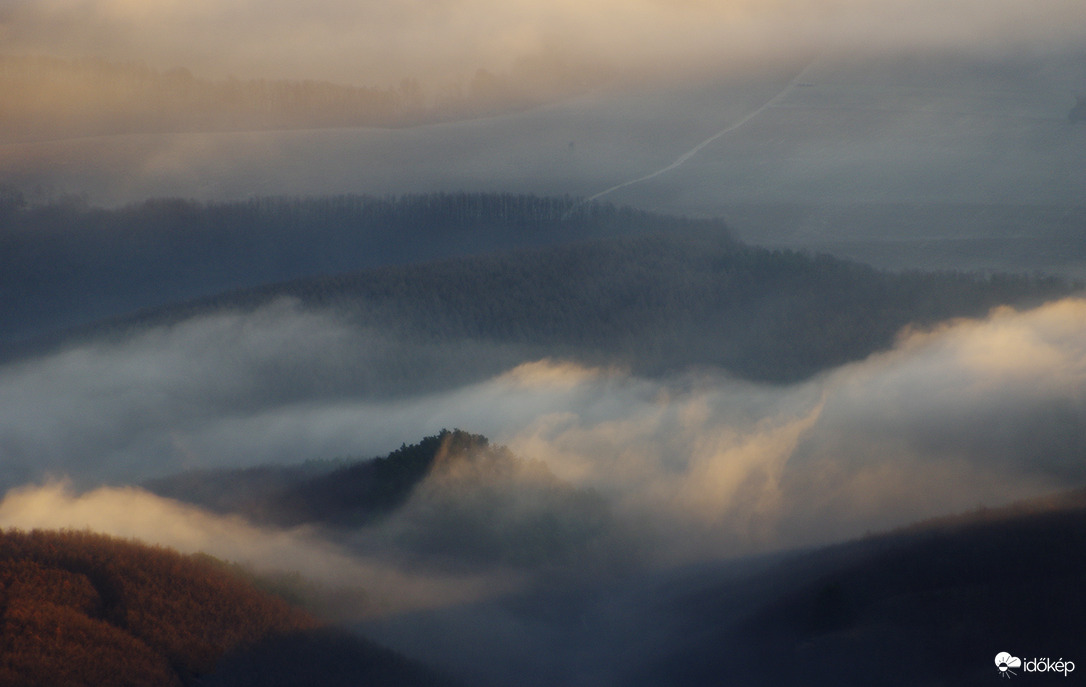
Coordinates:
[82,608]
[534,276]
[79,608]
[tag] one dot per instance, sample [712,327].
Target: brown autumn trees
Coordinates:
[78,608]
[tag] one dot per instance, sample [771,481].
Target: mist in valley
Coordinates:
[634,481]
[259,252]
[902,435]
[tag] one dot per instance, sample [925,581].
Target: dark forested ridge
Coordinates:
[78,608]
[340,493]
[655,293]
[659,303]
[458,498]
[65,263]
[932,604]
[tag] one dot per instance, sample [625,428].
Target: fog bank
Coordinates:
[373,43]
[974,412]
[365,586]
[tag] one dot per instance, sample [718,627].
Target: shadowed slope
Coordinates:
[655,304]
[931,604]
[452,498]
[350,494]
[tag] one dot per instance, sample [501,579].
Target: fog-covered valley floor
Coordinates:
[543,343]
[618,495]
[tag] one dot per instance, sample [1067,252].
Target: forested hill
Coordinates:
[65,264]
[656,304]
[348,493]
[528,276]
[79,608]
[932,604]
[452,498]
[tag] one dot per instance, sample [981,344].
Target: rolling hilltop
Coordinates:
[655,304]
[340,493]
[929,604]
[652,292]
[65,264]
[85,609]
[450,497]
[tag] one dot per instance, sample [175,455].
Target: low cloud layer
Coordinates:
[986,86]
[972,413]
[369,586]
[373,42]
[276,385]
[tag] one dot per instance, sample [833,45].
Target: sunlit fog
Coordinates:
[564,344]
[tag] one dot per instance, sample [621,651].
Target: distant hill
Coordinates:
[85,609]
[64,263]
[929,604]
[656,304]
[118,98]
[339,494]
[452,497]
[653,293]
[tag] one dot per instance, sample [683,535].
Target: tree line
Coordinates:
[345,493]
[539,275]
[455,498]
[64,262]
[663,303]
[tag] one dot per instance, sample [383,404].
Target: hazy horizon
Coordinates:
[381,237]
[907,136]
[725,458]
[376,44]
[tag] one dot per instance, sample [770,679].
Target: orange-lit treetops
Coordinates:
[82,608]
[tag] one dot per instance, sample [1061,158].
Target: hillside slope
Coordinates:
[65,264]
[930,604]
[343,493]
[450,498]
[81,608]
[78,608]
[655,304]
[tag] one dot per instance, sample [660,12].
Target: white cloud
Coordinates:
[135,514]
[379,41]
[972,412]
